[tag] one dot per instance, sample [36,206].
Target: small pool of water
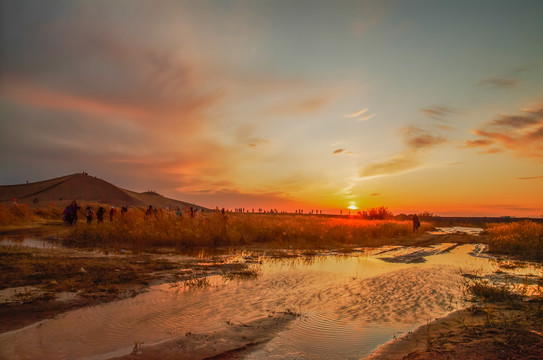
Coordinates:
[28,242]
[349,304]
[475,231]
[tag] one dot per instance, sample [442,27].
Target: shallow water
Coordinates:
[28,242]
[457,229]
[349,305]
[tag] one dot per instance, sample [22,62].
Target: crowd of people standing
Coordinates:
[70,214]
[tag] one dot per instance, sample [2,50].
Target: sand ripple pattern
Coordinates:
[346,309]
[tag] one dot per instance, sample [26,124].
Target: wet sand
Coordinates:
[232,342]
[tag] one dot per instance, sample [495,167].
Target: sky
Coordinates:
[416,105]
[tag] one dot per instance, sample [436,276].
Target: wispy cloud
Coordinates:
[530,178]
[302,106]
[258,142]
[478,143]
[394,165]
[418,142]
[370,14]
[523,134]
[437,112]
[360,115]
[419,138]
[342,152]
[492,151]
[499,83]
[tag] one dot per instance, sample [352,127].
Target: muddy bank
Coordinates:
[232,342]
[498,332]
[41,283]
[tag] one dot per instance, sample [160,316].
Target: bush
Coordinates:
[523,239]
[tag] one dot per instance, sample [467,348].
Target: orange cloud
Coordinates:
[522,134]
[397,164]
[437,112]
[37,96]
[417,138]
[360,115]
[478,143]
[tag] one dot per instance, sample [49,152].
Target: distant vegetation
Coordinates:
[134,230]
[523,239]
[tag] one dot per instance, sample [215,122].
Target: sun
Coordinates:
[352,207]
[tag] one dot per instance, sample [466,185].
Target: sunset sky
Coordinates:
[417,105]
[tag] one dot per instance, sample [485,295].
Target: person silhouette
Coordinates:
[416,223]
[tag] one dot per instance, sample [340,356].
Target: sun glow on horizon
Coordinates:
[213,103]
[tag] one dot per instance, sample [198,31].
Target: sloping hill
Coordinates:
[84,189]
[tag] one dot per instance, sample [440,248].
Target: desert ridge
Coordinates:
[84,188]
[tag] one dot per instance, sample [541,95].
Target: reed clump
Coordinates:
[15,214]
[18,214]
[165,229]
[523,239]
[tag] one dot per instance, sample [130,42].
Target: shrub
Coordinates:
[522,239]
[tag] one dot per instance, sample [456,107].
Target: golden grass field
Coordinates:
[134,230]
[166,229]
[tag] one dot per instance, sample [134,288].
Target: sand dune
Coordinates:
[84,189]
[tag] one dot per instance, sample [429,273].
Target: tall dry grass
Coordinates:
[134,230]
[16,214]
[523,239]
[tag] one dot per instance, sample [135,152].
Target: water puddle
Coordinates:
[457,230]
[349,305]
[28,242]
